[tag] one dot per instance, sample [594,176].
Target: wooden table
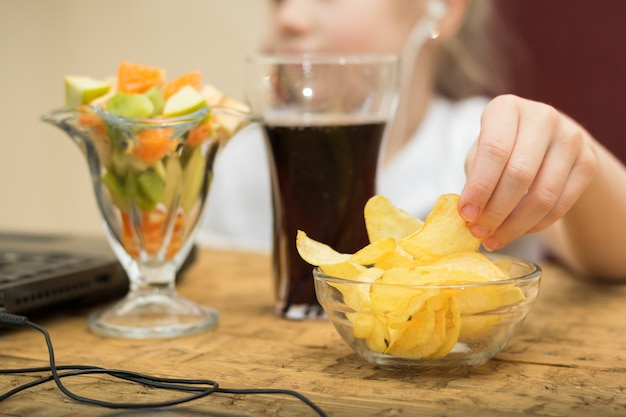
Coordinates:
[569,358]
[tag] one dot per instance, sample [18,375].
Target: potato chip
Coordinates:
[367,326]
[511,295]
[474,300]
[362,323]
[471,299]
[431,337]
[317,253]
[442,275]
[383,219]
[453,329]
[378,338]
[475,327]
[504,264]
[392,297]
[431,332]
[354,296]
[479,306]
[474,262]
[396,259]
[370,254]
[410,333]
[444,232]
[345,270]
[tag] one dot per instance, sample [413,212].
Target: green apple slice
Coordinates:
[137,106]
[173,181]
[155,94]
[82,90]
[193,178]
[152,186]
[186,100]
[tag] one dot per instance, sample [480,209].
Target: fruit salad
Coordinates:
[156,139]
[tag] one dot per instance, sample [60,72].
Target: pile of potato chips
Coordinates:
[403,307]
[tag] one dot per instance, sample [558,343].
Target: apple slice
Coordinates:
[136,106]
[194,175]
[155,94]
[186,100]
[226,125]
[82,90]
[212,95]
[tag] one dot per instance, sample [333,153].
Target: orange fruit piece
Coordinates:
[152,233]
[137,78]
[128,236]
[191,78]
[153,144]
[199,134]
[153,230]
[87,118]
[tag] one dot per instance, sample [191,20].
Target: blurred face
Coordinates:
[341,26]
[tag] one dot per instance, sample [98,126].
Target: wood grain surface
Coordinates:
[568,359]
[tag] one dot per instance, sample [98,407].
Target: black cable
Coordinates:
[198,388]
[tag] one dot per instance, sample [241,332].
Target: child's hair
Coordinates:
[477,60]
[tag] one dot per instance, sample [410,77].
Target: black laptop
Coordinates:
[40,271]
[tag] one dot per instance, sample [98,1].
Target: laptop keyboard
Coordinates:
[16,265]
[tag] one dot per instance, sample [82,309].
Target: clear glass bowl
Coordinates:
[413,326]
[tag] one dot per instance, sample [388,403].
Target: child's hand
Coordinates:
[528,167]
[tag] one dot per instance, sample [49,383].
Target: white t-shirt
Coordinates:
[239,212]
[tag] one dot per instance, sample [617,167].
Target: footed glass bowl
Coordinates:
[402,326]
[151,179]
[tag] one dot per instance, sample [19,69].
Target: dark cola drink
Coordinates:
[322,176]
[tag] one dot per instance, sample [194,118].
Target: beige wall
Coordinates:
[44,184]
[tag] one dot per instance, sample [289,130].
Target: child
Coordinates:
[532,181]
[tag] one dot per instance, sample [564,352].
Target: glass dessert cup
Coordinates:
[439,326]
[151,178]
